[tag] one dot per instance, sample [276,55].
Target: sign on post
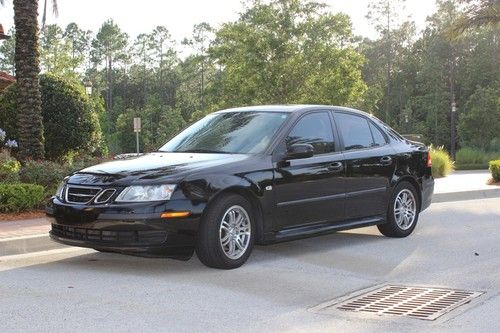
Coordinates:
[137,124]
[137,129]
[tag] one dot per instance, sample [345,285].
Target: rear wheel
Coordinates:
[226,233]
[402,215]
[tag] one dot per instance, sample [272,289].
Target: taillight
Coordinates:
[429,160]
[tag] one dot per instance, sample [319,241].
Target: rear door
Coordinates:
[370,165]
[310,190]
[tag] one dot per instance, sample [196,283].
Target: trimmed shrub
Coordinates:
[442,164]
[495,170]
[18,197]
[70,119]
[45,173]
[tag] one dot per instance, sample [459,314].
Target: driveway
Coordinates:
[455,245]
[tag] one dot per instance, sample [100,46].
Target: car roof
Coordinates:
[292,108]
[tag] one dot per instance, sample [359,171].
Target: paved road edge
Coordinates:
[466,195]
[27,244]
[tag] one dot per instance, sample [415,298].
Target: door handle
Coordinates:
[386,160]
[336,166]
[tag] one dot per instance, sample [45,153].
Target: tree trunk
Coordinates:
[27,59]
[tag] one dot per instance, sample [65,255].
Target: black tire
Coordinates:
[391,227]
[208,247]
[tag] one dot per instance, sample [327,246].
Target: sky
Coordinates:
[179,16]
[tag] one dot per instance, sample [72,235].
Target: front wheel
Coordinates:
[402,215]
[226,233]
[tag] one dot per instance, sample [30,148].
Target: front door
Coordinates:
[370,165]
[310,190]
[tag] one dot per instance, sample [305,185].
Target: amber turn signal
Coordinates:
[170,215]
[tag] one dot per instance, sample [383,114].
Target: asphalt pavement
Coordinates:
[455,245]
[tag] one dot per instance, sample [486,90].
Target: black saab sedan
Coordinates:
[245,176]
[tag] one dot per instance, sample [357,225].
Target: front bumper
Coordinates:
[130,229]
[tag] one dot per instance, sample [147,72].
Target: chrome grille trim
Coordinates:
[112,190]
[90,197]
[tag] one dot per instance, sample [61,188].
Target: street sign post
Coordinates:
[137,129]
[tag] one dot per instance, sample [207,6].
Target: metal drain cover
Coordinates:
[416,302]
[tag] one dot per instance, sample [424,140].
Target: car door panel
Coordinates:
[370,164]
[368,175]
[310,190]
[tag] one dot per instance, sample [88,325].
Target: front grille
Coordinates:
[105,195]
[146,237]
[81,194]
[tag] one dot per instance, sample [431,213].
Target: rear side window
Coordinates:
[314,129]
[355,131]
[378,137]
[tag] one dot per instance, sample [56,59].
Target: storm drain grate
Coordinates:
[417,302]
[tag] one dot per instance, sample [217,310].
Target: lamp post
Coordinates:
[88,87]
[452,132]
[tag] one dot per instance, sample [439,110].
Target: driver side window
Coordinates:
[314,129]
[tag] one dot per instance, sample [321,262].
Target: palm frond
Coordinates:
[475,17]
[55,9]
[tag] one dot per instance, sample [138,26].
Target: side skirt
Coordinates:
[320,229]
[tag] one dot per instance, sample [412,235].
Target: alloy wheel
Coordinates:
[405,209]
[234,232]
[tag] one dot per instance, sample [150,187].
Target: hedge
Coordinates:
[18,197]
[495,170]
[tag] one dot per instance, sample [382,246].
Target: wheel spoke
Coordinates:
[239,244]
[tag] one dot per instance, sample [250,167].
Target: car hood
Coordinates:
[151,168]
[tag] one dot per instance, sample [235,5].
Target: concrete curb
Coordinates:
[466,195]
[42,242]
[27,244]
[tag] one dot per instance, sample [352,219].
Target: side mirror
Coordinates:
[299,150]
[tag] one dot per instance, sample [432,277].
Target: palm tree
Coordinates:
[27,64]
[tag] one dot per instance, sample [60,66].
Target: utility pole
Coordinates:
[137,129]
[452,132]
[453,136]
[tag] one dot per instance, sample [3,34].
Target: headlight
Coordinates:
[146,193]
[60,190]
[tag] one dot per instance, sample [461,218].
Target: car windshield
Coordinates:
[246,132]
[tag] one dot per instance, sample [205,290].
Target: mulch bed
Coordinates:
[491,181]
[32,214]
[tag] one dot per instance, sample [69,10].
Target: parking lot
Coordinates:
[456,245]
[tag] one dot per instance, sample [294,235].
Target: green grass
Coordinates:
[473,158]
